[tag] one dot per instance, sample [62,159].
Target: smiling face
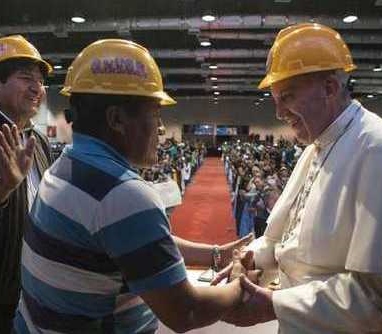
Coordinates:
[301,102]
[22,94]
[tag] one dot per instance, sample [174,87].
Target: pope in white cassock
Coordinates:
[325,232]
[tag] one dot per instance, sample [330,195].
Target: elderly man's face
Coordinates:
[301,103]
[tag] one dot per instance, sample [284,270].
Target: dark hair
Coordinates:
[88,111]
[12,65]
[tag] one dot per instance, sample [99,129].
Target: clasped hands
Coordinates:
[256,306]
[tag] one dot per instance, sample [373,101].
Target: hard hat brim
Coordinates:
[47,66]
[265,83]
[163,97]
[270,79]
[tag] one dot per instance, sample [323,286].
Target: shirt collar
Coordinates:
[336,129]
[27,130]
[91,146]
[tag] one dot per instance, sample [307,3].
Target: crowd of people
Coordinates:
[177,161]
[257,172]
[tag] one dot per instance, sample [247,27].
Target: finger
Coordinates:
[8,136]
[247,285]
[254,262]
[244,241]
[247,261]
[4,161]
[237,267]
[27,160]
[236,256]
[15,135]
[4,144]
[29,148]
[222,275]
[249,237]
[254,275]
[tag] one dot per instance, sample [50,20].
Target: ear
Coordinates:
[332,86]
[1,87]
[116,119]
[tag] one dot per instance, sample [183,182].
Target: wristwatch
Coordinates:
[216,258]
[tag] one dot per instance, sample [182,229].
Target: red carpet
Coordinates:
[206,214]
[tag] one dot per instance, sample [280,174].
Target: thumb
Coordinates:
[29,149]
[237,267]
[247,261]
[254,275]
[244,240]
[27,158]
[248,286]
[222,274]
[236,256]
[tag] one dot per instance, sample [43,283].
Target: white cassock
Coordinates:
[327,242]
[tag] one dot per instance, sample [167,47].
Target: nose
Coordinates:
[281,110]
[37,87]
[161,128]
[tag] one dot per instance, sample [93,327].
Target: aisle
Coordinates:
[206,214]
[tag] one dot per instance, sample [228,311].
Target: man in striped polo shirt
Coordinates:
[98,256]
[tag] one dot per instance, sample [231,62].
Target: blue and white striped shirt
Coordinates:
[98,237]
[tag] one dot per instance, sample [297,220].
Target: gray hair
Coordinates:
[343,78]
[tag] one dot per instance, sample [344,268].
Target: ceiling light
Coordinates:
[261,99]
[370,96]
[208,18]
[216,93]
[57,67]
[352,80]
[213,67]
[213,78]
[257,104]
[78,19]
[266,94]
[215,98]
[216,102]
[205,43]
[350,18]
[215,87]
[377,68]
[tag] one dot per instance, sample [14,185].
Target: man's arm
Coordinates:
[196,253]
[183,307]
[135,233]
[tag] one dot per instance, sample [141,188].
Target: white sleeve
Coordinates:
[264,255]
[347,302]
[264,250]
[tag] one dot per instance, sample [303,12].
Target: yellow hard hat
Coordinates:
[116,67]
[16,46]
[305,48]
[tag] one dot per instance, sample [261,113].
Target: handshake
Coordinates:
[256,305]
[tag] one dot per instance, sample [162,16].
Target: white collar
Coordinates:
[338,126]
